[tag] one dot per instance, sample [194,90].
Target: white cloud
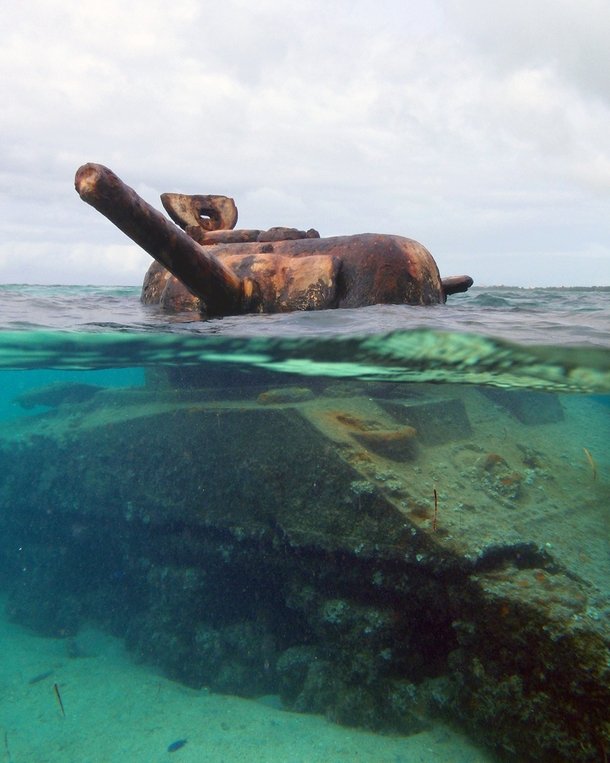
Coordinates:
[448,122]
[52,263]
[572,37]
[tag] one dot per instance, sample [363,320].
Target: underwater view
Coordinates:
[379,534]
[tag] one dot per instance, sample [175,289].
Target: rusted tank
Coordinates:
[203,263]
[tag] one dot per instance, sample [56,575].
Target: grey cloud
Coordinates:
[447,122]
[571,37]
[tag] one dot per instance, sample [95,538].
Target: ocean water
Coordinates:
[377,534]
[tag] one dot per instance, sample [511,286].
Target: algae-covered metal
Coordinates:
[266,538]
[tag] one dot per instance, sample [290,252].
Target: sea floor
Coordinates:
[116,710]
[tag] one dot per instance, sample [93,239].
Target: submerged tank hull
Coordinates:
[351,548]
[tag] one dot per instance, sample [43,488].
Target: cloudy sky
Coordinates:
[480,129]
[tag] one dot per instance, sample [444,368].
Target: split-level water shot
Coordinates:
[301,499]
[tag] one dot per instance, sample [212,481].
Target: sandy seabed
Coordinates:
[116,710]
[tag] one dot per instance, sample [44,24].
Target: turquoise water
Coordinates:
[357,534]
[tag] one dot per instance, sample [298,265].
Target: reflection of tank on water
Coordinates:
[208,266]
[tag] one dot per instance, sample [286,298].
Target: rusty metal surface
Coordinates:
[241,271]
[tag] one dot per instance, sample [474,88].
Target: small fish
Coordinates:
[40,677]
[177,745]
